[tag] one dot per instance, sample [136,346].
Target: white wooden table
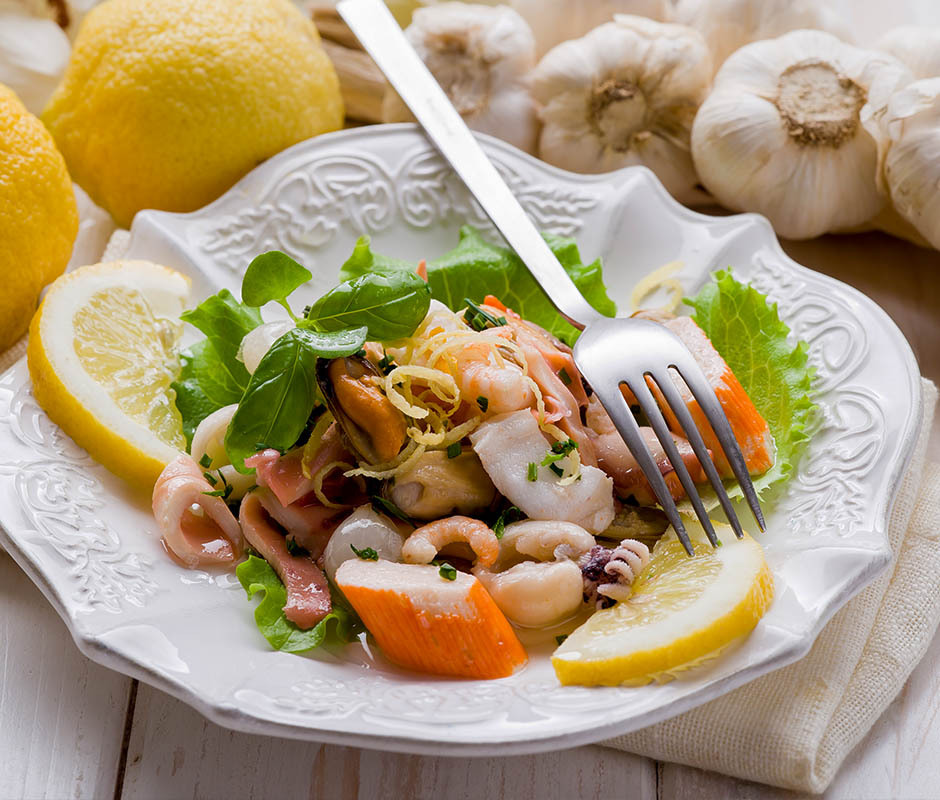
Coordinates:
[69,728]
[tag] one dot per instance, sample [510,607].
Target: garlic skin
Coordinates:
[625,94]
[791,131]
[556,21]
[912,159]
[728,25]
[481,56]
[915,46]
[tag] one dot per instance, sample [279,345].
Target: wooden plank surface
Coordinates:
[61,716]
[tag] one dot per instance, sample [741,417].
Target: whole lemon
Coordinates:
[38,216]
[166,103]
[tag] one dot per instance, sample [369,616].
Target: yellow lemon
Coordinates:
[38,217]
[102,354]
[166,103]
[682,611]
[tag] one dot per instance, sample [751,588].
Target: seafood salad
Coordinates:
[431,470]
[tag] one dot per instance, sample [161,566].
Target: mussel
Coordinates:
[371,425]
[437,485]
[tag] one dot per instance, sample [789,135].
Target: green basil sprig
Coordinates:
[282,391]
[390,304]
[273,276]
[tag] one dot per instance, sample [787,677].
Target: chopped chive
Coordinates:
[561,638]
[210,478]
[293,548]
[480,319]
[532,472]
[447,572]
[454,450]
[483,403]
[223,493]
[386,363]
[565,377]
[559,451]
[383,506]
[557,470]
[205,462]
[366,554]
[511,514]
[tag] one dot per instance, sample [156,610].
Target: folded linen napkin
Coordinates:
[794,727]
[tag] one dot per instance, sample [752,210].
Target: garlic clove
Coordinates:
[790,130]
[912,161]
[481,56]
[624,94]
[917,47]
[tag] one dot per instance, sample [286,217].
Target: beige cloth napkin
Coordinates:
[794,727]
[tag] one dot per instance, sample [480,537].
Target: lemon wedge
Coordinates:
[682,611]
[102,354]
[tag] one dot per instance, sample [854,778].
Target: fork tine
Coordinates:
[646,402]
[691,373]
[623,420]
[671,394]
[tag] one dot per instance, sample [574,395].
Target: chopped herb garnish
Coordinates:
[386,363]
[205,462]
[565,377]
[251,488]
[559,451]
[366,554]
[447,572]
[454,450]
[259,446]
[382,506]
[532,473]
[210,478]
[557,470]
[479,319]
[511,514]
[483,403]
[293,548]
[561,638]
[223,493]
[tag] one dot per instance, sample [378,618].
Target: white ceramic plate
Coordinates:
[93,550]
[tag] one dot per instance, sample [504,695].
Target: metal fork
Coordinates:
[610,352]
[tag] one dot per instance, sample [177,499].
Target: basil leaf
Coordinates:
[341,624]
[364,260]
[211,376]
[390,304]
[272,276]
[283,391]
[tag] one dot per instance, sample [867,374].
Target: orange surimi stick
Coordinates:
[425,622]
[749,427]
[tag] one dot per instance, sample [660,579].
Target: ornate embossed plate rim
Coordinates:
[561,730]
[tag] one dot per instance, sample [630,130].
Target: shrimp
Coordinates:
[425,543]
[209,535]
[480,375]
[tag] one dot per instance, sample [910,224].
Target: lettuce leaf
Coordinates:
[748,333]
[475,268]
[340,625]
[211,375]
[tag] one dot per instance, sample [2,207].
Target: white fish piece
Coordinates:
[508,443]
[363,528]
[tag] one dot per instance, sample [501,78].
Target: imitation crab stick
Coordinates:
[750,428]
[425,622]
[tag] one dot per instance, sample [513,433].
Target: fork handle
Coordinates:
[383,39]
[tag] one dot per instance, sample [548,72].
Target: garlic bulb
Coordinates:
[918,48]
[790,130]
[624,94]
[33,55]
[481,56]
[912,159]
[556,21]
[728,25]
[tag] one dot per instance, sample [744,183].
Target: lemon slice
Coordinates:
[682,611]
[102,354]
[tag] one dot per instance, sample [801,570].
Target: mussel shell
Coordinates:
[357,438]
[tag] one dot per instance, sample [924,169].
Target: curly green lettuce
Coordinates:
[747,331]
